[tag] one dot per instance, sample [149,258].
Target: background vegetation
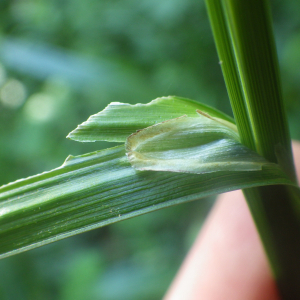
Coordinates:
[62,61]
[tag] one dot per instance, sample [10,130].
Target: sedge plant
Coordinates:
[173,150]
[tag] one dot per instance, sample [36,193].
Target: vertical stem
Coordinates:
[275,210]
[253,41]
[244,38]
[230,71]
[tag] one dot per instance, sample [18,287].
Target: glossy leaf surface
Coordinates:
[101,188]
[118,120]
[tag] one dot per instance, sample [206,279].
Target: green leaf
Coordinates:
[191,145]
[101,188]
[118,120]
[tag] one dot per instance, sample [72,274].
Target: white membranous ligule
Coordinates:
[196,145]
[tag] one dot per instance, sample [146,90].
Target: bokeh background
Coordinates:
[63,60]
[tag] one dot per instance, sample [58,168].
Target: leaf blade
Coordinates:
[98,189]
[118,120]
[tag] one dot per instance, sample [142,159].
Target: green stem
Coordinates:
[230,71]
[275,209]
[253,41]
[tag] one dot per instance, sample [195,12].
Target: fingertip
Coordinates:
[227,260]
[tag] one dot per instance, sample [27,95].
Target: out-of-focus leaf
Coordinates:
[101,188]
[118,120]
[191,145]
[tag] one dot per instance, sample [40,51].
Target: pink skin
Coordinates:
[227,261]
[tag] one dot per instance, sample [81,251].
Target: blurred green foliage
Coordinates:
[63,60]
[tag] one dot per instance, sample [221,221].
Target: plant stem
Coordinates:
[253,42]
[230,71]
[275,209]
